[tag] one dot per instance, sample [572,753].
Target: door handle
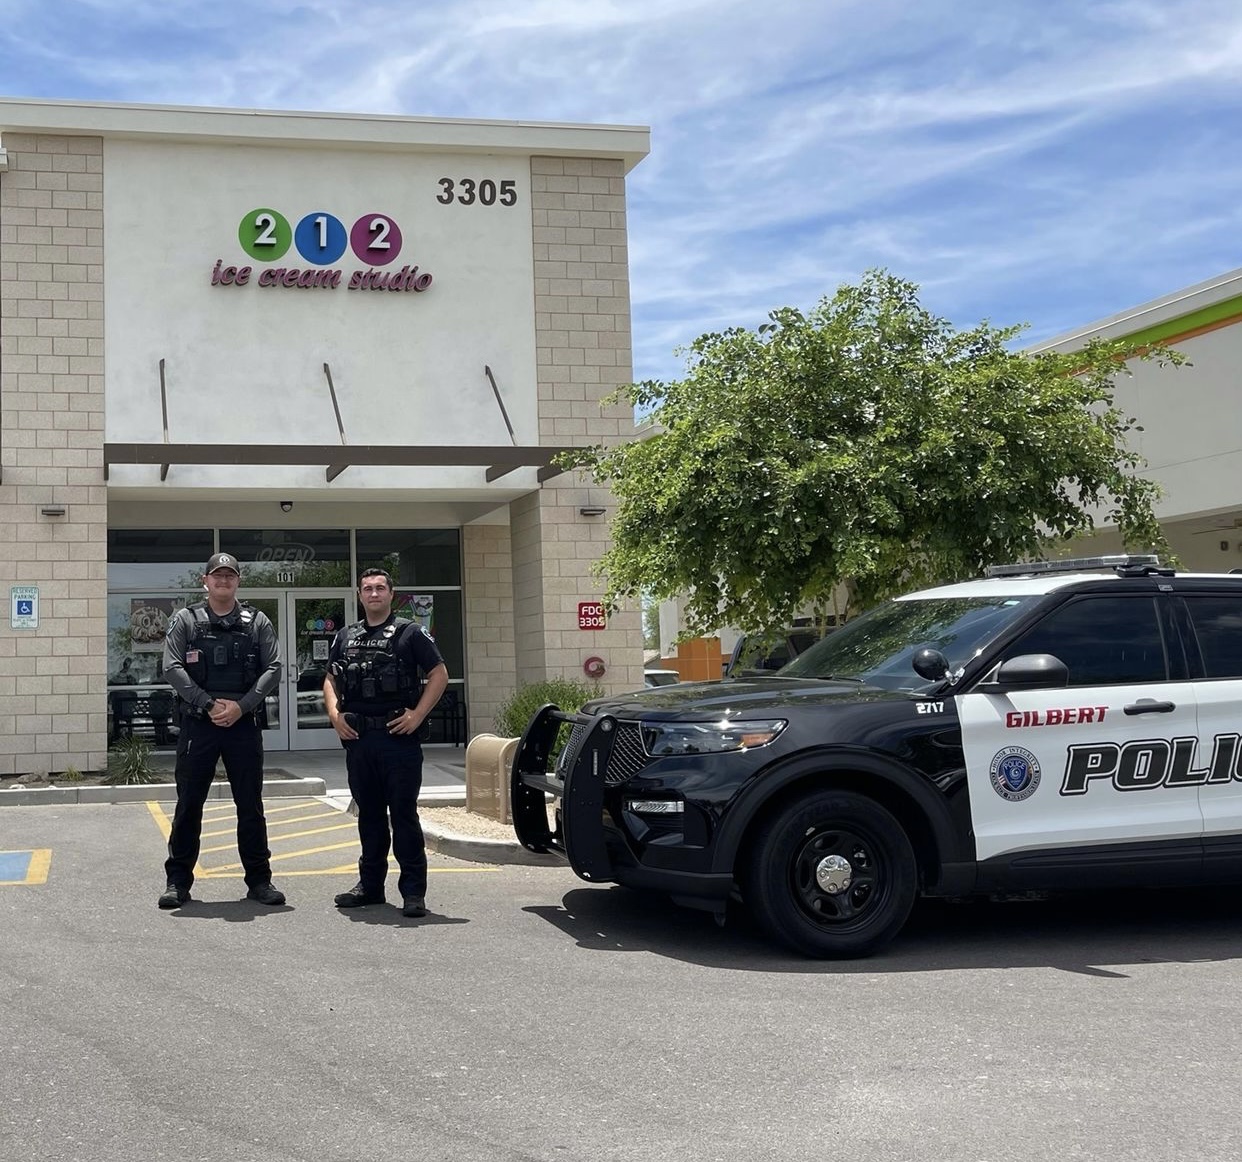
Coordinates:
[1150,706]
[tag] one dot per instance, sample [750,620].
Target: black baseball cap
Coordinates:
[223,561]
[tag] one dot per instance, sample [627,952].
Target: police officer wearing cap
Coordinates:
[223,659]
[377,705]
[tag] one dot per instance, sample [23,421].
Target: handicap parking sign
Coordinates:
[25,607]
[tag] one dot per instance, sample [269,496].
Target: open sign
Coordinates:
[591,615]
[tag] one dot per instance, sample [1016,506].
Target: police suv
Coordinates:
[1055,725]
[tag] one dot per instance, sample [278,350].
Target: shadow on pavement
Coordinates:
[389,915]
[234,911]
[1087,934]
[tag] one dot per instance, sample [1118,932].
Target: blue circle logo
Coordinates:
[1014,773]
[320,238]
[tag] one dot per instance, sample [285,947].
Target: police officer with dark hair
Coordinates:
[376,704]
[222,658]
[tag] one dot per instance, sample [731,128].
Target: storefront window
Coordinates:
[412,556]
[158,558]
[279,558]
[440,611]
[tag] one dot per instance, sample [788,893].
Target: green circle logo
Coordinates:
[265,235]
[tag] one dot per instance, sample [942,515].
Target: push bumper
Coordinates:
[577,788]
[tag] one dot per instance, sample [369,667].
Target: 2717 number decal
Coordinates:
[483,192]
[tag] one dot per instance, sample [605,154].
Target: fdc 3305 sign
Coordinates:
[591,615]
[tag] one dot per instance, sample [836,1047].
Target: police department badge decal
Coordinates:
[1014,773]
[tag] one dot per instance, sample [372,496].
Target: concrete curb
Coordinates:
[475,849]
[142,792]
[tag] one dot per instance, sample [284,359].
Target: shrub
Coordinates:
[129,761]
[71,774]
[519,708]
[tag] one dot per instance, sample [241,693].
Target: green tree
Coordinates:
[651,624]
[866,447]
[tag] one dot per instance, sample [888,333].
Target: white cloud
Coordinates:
[1035,159]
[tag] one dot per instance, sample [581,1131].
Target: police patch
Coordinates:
[1014,773]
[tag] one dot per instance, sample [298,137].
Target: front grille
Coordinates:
[627,757]
[566,759]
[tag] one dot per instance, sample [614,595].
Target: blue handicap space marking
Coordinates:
[15,865]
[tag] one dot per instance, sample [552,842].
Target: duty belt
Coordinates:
[363,722]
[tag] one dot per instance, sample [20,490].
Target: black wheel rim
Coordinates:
[868,881]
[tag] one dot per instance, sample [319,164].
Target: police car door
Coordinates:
[1100,761]
[1215,633]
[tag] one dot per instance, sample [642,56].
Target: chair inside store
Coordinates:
[447,720]
[143,712]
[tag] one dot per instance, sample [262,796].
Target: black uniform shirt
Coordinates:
[415,647]
[178,640]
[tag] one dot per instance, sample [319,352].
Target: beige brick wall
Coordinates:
[52,679]
[583,346]
[487,593]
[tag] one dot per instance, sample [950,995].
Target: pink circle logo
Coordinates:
[375,239]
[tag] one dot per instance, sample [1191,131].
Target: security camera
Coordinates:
[286,506]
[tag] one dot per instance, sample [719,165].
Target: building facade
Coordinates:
[1191,437]
[319,342]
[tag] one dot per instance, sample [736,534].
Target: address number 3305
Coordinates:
[481,192]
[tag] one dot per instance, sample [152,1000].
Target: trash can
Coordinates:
[489,759]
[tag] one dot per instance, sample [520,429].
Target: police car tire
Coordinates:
[832,828]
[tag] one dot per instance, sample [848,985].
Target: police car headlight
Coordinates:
[670,738]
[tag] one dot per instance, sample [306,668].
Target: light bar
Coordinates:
[1073,565]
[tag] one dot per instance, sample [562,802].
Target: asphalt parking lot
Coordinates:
[532,1016]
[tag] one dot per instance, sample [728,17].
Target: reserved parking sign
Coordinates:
[25,607]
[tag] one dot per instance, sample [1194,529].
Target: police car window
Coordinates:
[1103,641]
[1218,627]
[878,648]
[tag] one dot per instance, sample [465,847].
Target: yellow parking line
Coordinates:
[347,869]
[300,805]
[276,823]
[351,826]
[161,820]
[285,855]
[36,866]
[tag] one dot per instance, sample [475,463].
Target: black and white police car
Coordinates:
[1055,725]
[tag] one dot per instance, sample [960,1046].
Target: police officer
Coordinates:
[222,658]
[376,705]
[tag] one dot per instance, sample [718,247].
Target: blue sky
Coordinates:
[1042,161]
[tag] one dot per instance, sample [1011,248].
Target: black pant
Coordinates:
[201,744]
[385,775]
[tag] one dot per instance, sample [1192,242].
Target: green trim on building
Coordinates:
[1160,332]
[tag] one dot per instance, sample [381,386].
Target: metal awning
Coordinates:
[499,460]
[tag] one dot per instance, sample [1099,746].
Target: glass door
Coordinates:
[276,736]
[312,620]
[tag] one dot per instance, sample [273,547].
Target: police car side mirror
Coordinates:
[930,664]
[1026,672]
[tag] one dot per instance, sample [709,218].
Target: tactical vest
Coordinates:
[226,658]
[370,677]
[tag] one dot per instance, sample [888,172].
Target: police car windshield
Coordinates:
[878,648]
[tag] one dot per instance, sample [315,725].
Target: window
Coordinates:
[158,558]
[413,557]
[278,558]
[1104,641]
[1217,622]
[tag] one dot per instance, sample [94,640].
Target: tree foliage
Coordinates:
[868,445]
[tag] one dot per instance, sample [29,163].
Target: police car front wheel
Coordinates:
[832,875]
